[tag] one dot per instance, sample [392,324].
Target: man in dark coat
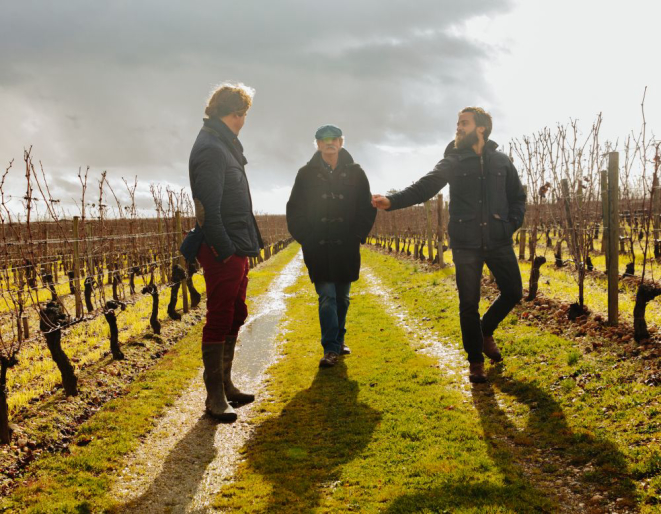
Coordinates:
[224,236]
[487,205]
[330,213]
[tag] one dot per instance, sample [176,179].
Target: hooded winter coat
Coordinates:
[487,200]
[330,214]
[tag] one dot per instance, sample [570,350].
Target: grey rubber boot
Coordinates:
[216,402]
[231,391]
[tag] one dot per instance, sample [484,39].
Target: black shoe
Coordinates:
[328,360]
[345,350]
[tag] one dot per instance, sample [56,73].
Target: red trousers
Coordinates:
[226,295]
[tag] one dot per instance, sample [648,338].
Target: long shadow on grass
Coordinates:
[182,472]
[300,453]
[546,434]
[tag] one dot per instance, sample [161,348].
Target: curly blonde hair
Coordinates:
[229,98]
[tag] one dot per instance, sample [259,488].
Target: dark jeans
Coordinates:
[505,268]
[333,307]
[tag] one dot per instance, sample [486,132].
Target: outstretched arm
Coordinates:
[419,192]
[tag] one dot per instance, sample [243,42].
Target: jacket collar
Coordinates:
[223,132]
[343,159]
[489,147]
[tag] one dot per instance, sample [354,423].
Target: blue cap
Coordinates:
[328,131]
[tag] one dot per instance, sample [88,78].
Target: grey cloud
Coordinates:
[122,85]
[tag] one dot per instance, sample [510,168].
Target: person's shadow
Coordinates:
[182,472]
[301,452]
[514,450]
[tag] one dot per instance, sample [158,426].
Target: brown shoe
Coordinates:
[328,360]
[345,350]
[477,375]
[490,349]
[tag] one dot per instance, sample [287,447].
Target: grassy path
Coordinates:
[80,480]
[389,429]
[384,431]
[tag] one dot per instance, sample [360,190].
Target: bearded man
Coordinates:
[487,205]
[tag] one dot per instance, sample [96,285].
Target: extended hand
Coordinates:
[380,202]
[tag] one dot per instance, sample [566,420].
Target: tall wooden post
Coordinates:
[182,261]
[440,231]
[604,215]
[430,239]
[76,266]
[613,236]
[523,232]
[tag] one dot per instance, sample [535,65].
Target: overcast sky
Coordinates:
[121,86]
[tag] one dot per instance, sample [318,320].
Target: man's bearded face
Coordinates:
[465,140]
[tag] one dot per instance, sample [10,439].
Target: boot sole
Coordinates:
[244,401]
[223,418]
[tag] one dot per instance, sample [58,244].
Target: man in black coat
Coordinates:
[487,205]
[225,235]
[330,213]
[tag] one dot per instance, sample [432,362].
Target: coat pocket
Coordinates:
[464,230]
[500,229]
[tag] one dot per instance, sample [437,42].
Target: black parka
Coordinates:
[223,206]
[330,214]
[487,200]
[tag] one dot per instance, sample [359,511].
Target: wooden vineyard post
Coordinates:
[182,261]
[604,215]
[440,232]
[522,233]
[613,236]
[430,239]
[76,266]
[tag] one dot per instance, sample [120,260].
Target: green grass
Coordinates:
[81,480]
[591,408]
[383,431]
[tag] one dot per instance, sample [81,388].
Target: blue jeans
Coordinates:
[505,268]
[333,307]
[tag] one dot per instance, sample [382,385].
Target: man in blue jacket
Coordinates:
[225,235]
[487,205]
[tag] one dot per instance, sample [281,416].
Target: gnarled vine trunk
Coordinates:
[645,294]
[52,319]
